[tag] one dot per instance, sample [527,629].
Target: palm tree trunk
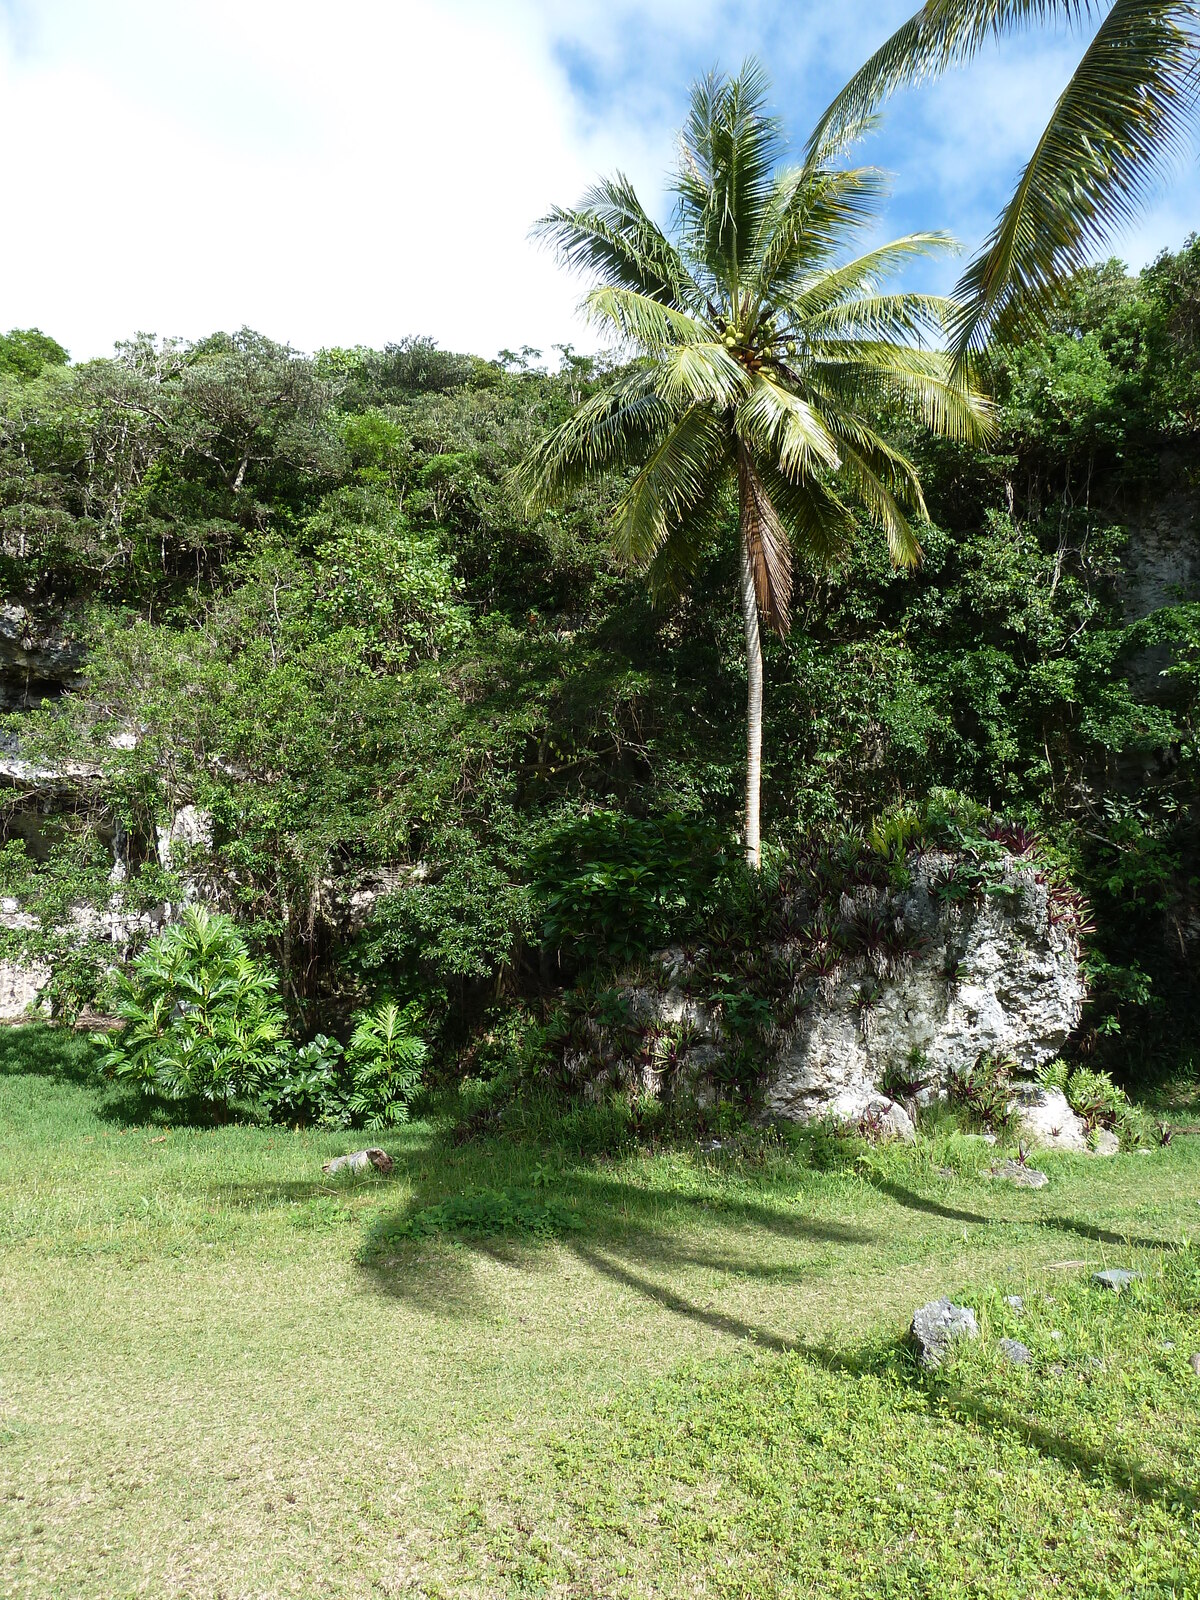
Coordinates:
[754,697]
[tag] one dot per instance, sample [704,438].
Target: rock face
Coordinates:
[37,661]
[996,976]
[1161,566]
[20,985]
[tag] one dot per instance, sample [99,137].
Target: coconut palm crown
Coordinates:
[763,354]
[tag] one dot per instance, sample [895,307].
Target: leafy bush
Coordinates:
[311,1088]
[202,1017]
[1093,1096]
[384,1064]
[616,886]
[905,1082]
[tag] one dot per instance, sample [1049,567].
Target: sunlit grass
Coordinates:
[501,1369]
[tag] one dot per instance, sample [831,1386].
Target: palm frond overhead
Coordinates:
[1123,115]
[1127,112]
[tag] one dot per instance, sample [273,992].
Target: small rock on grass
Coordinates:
[1023,1177]
[1014,1302]
[1019,1354]
[360,1161]
[1105,1143]
[1194,1363]
[935,1327]
[1115,1278]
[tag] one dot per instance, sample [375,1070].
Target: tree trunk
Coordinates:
[754,695]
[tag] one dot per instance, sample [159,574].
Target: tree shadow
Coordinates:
[637,1239]
[36,1049]
[950,1402]
[584,1206]
[1083,1230]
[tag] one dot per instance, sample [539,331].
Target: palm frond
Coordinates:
[675,564]
[611,430]
[782,425]
[929,384]
[611,236]
[862,276]
[728,152]
[1123,115]
[642,321]
[881,478]
[675,478]
[810,217]
[883,316]
[694,374]
[818,521]
[941,33]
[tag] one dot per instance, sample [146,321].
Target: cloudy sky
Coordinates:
[350,173]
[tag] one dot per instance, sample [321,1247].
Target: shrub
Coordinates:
[982,1090]
[619,886]
[202,1018]
[384,1065]
[311,1088]
[1093,1096]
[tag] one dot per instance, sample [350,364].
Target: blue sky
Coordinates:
[353,173]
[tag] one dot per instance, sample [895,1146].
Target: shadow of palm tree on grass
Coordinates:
[643,1239]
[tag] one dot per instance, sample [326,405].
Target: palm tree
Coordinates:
[763,359]
[1124,114]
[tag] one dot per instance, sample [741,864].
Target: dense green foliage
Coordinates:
[312,603]
[201,1018]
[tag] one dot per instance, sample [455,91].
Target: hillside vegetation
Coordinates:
[308,600]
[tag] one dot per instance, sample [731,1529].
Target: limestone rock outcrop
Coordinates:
[998,976]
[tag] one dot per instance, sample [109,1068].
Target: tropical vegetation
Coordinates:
[764,360]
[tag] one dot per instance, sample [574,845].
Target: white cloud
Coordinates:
[325,174]
[352,173]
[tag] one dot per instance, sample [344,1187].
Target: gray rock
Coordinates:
[1045,1120]
[1194,1363]
[1023,1177]
[1014,1302]
[360,1161]
[1023,997]
[37,660]
[1105,1143]
[936,1326]
[1019,1354]
[21,986]
[1057,1370]
[1115,1278]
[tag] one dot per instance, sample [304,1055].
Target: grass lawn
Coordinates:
[511,1368]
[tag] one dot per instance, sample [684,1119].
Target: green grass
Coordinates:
[516,1368]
